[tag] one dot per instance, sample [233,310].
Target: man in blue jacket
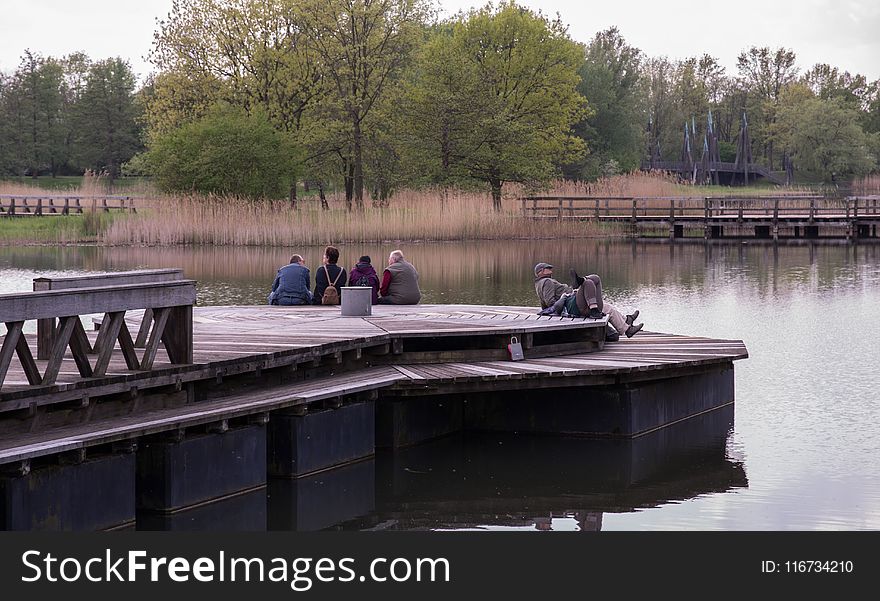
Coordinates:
[291,285]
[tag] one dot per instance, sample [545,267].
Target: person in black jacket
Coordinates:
[329,268]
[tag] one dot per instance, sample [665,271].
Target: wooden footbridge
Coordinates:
[294,389]
[796,216]
[24,205]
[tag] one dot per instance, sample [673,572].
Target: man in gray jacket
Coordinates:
[400,282]
[585,301]
[549,290]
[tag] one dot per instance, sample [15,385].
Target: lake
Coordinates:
[802,450]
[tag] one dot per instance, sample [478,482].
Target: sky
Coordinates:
[843,33]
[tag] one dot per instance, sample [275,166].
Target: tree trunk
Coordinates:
[496,193]
[349,183]
[293,195]
[324,205]
[358,166]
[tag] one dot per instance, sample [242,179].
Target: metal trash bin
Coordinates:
[357,301]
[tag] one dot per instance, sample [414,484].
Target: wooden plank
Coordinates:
[144,329]
[41,305]
[161,318]
[10,342]
[117,278]
[127,347]
[80,349]
[28,365]
[110,331]
[59,345]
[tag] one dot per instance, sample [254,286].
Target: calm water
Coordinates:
[799,454]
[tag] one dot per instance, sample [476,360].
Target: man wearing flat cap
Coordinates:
[548,289]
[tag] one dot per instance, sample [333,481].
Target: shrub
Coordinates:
[228,151]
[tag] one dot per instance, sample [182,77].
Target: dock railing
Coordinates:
[689,208]
[171,304]
[46,327]
[12,205]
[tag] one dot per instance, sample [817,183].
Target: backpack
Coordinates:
[331,294]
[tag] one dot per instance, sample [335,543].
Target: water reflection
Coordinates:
[488,272]
[488,481]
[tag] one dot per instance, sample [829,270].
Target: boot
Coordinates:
[633,330]
[576,280]
[595,313]
[631,319]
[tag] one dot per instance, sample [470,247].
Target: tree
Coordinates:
[509,93]
[362,46]
[765,74]
[828,82]
[107,132]
[228,151]
[824,137]
[35,107]
[612,84]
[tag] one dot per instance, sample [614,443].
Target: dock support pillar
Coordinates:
[302,442]
[175,474]
[319,501]
[407,421]
[626,410]
[96,494]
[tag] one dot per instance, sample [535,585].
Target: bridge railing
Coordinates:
[19,204]
[46,327]
[634,209]
[171,303]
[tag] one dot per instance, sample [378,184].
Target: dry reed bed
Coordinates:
[412,216]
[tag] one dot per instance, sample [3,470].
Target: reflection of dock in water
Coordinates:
[509,480]
[483,480]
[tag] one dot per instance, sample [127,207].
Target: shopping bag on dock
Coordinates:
[515,350]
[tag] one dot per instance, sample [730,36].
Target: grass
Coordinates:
[55,229]
[868,185]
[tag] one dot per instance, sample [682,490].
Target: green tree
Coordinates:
[107,132]
[611,82]
[824,137]
[511,91]
[829,82]
[228,151]
[362,46]
[35,108]
[765,74]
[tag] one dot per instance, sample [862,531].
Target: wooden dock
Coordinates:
[795,216]
[318,389]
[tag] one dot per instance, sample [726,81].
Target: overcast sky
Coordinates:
[843,33]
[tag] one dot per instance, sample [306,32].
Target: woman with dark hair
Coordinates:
[363,274]
[329,273]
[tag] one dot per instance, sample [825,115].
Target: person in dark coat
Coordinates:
[291,285]
[363,274]
[329,267]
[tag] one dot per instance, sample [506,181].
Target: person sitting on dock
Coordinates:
[363,274]
[548,290]
[329,274]
[291,285]
[584,301]
[400,282]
